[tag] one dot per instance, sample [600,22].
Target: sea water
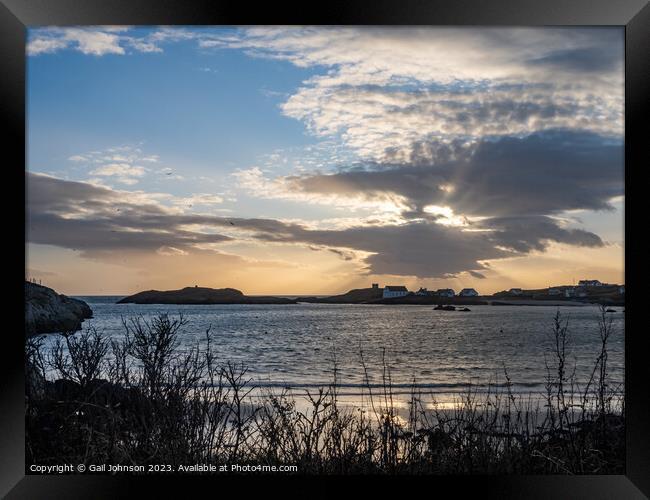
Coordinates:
[304,346]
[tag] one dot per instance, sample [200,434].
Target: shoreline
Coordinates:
[482,301]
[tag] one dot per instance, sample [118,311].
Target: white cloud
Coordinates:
[380,90]
[78,158]
[170,251]
[143,46]
[384,89]
[45,46]
[102,40]
[199,199]
[120,164]
[255,182]
[119,170]
[94,42]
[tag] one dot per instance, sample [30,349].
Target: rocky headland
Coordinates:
[49,312]
[200,295]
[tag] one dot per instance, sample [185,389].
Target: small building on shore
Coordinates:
[515,291]
[468,292]
[445,292]
[554,290]
[394,291]
[422,292]
[589,283]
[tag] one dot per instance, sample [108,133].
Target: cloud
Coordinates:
[382,124]
[415,249]
[588,60]
[429,250]
[99,221]
[170,251]
[468,145]
[46,46]
[259,185]
[120,164]
[543,173]
[102,40]
[526,234]
[123,172]
[97,41]
[78,158]
[382,90]
[199,199]
[94,42]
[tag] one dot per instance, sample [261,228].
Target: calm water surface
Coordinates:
[296,345]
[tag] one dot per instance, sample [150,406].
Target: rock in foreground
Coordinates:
[48,312]
[200,295]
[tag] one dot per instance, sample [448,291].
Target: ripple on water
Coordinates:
[300,342]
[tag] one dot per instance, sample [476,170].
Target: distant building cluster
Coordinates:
[589,283]
[575,291]
[390,291]
[394,291]
[582,289]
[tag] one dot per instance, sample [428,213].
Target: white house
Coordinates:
[589,283]
[422,291]
[394,291]
[445,292]
[468,292]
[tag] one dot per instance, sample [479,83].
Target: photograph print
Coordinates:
[324,250]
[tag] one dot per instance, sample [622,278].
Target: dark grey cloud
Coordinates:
[527,233]
[475,112]
[416,249]
[427,249]
[589,59]
[95,237]
[99,222]
[540,174]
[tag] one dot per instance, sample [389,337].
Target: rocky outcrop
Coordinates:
[49,312]
[200,295]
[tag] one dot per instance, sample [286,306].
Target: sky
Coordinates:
[314,160]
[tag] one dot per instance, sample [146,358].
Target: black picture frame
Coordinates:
[17,15]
